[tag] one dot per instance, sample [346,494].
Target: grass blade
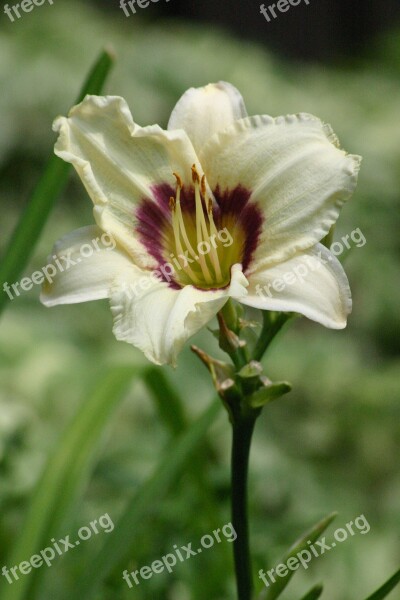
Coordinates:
[169,404]
[171,408]
[313,534]
[66,470]
[386,588]
[47,190]
[314,593]
[119,543]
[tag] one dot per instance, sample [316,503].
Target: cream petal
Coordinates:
[201,112]
[295,172]
[120,162]
[158,319]
[89,262]
[313,284]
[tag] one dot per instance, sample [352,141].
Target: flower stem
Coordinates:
[272,324]
[243,427]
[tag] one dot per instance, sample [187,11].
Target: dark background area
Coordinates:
[325,30]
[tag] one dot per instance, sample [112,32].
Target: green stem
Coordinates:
[271,326]
[230,315]
[240,356]
[243,427]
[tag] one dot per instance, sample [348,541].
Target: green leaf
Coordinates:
[269,393]
[169,404]
[64,476]
[314,593]
[46,192]
[386,588]
[120,542]
[171,408]
[302,544]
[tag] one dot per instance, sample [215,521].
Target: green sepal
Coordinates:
[229,341]
[269,392]
[251,370]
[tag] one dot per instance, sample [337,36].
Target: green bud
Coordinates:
[269,392]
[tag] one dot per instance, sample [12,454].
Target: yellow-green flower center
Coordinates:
[202,253]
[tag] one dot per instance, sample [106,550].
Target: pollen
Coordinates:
[195,175]
[178,180]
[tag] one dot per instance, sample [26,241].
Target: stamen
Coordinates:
[214,234]
[203,186]
[178,180]
[178,245]
[205,232]
[180,216]
[201,227]
[195,175]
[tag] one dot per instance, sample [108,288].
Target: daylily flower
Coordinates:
[273,187]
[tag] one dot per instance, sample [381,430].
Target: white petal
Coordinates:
[295,171]
[201,112]
[158,319]
[118,162]
[313,284]
[89,263]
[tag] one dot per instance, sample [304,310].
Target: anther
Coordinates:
[195,175]
[178,180]
[203,186]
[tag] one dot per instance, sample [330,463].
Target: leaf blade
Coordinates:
[301,544]
[168,402]
[118,544]
[30,226]
[314,593]
[66,470]
[386,588]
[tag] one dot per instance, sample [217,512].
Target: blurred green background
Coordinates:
[332,444]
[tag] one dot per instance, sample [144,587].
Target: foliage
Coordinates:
[331,444]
